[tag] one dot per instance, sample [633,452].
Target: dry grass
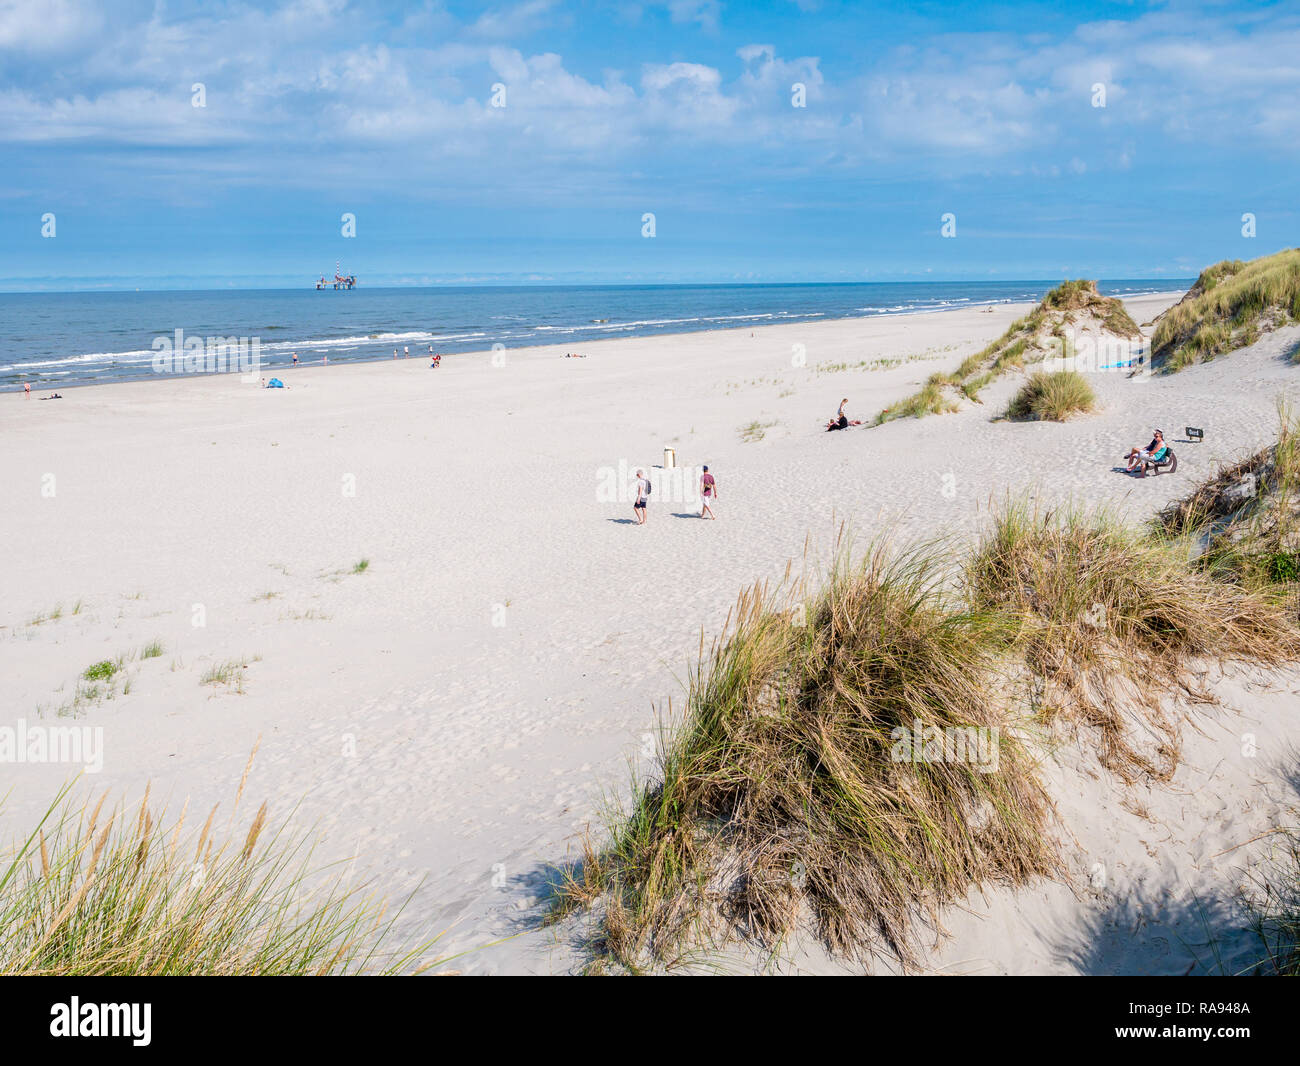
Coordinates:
[783,796]
[1247,516]
[1112,624]
[1053,397]
[785,793]
[115,892]
[1230,305]
[1275,902]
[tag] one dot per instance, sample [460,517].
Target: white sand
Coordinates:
[481,748]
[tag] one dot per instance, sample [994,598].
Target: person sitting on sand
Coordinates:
[841,420]
[1152,453]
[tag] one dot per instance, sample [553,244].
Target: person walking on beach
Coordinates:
[708,493]
[295,358]
[406,351]
[27,390]
[642,496]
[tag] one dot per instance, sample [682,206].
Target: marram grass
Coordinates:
[1246,516]
[1053,397]
[780,802]
[1230,305]
[96,891]
[1113,621]
[782,793]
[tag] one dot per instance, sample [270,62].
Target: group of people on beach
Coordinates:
[841,420]
[708,495]
[27,393]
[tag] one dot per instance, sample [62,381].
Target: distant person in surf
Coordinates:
[295,358]
[708,493]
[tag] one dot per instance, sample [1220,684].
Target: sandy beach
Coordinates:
[452,712]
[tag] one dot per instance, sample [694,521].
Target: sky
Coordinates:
[526,142]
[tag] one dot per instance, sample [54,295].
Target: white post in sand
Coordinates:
[670,458]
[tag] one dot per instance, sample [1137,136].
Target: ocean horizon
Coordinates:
[85,338]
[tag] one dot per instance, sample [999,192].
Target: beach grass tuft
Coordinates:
[755,431]
[1113,621]
[111,892]
[229,673]
[783,792]
[1245,517]
[1229,307]
[1053,397]
[1275,904]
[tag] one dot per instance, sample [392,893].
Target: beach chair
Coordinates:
[1169,462]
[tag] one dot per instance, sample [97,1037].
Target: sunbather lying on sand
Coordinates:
[1153,452]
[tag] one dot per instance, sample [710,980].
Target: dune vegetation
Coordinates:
[1113,621]
[783,790]
[1053,396]
[1231,305]
[813,779]
[1043,333]
[1275,900]
[115,892]
[1246,517]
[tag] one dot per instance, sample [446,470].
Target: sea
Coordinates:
[87,338]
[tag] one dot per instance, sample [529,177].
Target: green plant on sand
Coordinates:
[1053,397]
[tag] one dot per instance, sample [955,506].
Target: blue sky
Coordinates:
[684,109]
